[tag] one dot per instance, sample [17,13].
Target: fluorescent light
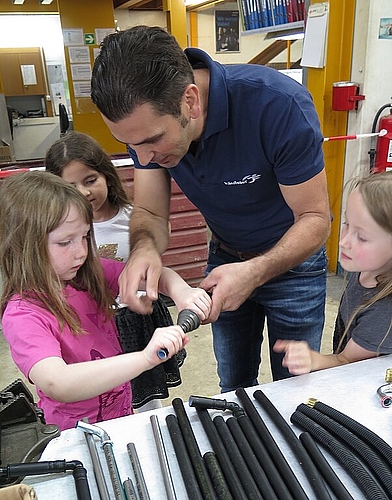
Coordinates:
[45,2]
[18,2]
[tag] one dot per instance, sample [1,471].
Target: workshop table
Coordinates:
[350,389]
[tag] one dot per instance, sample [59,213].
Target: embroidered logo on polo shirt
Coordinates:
[247,179]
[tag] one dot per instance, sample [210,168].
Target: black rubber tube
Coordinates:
[222,456]
[218,479]
[200,470]
[184,462]
[285,470]
[345,457]
[279,486]
[333,481]
[250,458]
[375,463]
[370,437]
[81,483]
[311,472]
[247,481]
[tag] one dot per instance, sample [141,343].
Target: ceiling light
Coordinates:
[45,2]
[18,2]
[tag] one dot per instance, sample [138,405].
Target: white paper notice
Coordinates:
[79,55]
[29,76]
[81,71]
[313,52]
[82,89]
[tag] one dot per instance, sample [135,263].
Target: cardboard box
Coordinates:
[5,154]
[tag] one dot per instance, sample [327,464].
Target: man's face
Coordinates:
[161,139]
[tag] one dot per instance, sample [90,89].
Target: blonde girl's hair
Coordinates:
[376,191]
[76,146]
[32,205]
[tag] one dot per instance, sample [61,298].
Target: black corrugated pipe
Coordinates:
[264,459]
[370,437]
[187,472]
[311,472]
[195,457]
[375,463]
[227,467]
[285,470]
[333,481]
[217,477]
[369,486]
[247,481]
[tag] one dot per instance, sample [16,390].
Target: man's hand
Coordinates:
[142,272]
[229,285]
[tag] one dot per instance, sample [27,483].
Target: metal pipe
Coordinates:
[165,469]
[278,458]
[129,489]
[137,470]
[312,474]
[243,472]
[97,466]
[195,457]
[187,472]
[107,446]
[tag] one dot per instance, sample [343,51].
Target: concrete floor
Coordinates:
[199,370]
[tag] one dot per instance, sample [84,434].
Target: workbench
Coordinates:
[351,389]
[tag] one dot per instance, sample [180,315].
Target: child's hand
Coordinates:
[195,299]
[171,338]
[297,358]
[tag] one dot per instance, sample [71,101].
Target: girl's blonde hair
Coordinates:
[376,191]
[32,205]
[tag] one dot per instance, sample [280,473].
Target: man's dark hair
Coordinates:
[136,66]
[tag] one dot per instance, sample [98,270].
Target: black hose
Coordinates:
[187,472]
[243,472]
[195,457]
[225,463]
[264,458]
[367,454]
[346,458]
[309,469]
[250,458]
[278,458]
[218,479]
[333,481]
[81,483]
[370,437]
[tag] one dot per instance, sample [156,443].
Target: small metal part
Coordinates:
[385,394]
[388,375]
[311,402]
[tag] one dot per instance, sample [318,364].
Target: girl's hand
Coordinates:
[297,358]
[195,299]
[171,338]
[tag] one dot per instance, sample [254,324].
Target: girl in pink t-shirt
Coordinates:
[58,304]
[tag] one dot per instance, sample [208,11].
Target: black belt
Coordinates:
[239,255]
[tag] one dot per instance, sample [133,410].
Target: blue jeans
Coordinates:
[293,305]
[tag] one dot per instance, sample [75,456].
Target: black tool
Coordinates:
[188,320]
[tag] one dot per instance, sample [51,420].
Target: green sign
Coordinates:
[89,38]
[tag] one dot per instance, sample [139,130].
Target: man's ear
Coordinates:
[192,100]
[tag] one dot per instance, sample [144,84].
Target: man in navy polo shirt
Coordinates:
[244,144]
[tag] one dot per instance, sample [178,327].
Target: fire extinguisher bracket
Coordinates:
[345,96]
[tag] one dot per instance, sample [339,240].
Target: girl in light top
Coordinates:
[364,321]
[58,303]
[80,160]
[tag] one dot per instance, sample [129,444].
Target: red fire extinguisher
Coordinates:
[383,153]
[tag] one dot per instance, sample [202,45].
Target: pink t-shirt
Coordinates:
[33,334]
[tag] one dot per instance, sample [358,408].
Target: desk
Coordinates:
[350,389]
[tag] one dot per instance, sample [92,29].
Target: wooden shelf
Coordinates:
[285,28]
